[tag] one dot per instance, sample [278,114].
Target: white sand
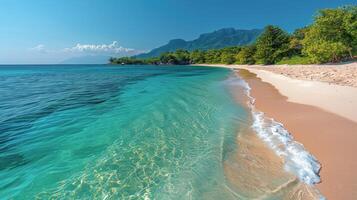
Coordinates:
[341,100]
[320,115]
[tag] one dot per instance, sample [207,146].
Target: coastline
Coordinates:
[326,128]
[259,169]
[337,99]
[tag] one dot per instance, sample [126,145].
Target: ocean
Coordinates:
[142,132]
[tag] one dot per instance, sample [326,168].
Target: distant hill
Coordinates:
[215,40]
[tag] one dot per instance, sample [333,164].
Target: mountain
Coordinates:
[215,40]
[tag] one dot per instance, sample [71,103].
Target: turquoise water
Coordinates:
[116,132]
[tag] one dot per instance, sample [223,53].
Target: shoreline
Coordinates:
[276,163]
[328,132]
[309,92]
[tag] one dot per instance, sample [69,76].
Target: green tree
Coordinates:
[197,57]
[296,41]
[321,51]
[332,36]
[152,61]
[167,58]
[350,24]
[227,58]
[272,45]
[212,56]
[246,55]
[112,60]
[182,57]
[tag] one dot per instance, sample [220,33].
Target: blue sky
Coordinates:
[49,31]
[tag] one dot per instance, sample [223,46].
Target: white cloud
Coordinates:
[39,47]
[112,48]
[44,54]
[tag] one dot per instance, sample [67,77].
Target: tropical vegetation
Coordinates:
[332,37]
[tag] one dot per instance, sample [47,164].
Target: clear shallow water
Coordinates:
[109,132]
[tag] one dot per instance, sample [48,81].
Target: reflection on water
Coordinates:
[109,132]
[132,132]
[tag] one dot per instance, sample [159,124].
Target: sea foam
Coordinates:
[296,158]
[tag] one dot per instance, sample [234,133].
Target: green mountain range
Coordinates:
[215,40]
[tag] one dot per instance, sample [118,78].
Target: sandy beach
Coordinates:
[343,74]
[319,111]
[256,171]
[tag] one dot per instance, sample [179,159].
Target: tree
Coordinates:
[321,51]
[182,57]
[272,45]
[227,58]
[350,24]
[112,60]
[197,56]
[212,56]
[296,39]
[152,61]
[246,55]
[168,58]
[332,36]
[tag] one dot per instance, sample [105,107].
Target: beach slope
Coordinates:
[319,110]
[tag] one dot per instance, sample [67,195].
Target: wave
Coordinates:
[296,158]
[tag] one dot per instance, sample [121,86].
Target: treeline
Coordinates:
[184,57]
[331,38]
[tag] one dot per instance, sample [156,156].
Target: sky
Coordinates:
[51,31]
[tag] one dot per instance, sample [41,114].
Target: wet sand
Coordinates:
[255,171]
[332,139]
